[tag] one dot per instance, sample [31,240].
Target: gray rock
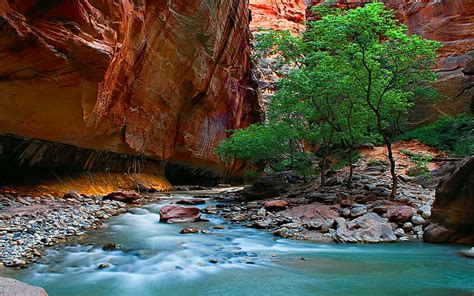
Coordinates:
[345,212]
[417,220]
[322,197]
[369,228]
[399,232]
[14,287]
[358,210]
[426,214]
[327,225]
[407,226]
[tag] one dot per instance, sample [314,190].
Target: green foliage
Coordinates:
[420,161]
[266,144]
[355,73]
[454,135]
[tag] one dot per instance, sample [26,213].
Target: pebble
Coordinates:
[23,236]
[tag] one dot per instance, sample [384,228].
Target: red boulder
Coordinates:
[400,214]
[177,214]
[275,205]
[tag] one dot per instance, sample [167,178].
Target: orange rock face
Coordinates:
[452,23]
[278,14]
[163,79]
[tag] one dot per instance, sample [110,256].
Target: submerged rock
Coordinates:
[194,201]
[14,287]
[177,214]
[112,247]
[369,228]
[189,230]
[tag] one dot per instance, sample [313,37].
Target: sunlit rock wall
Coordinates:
[160,79]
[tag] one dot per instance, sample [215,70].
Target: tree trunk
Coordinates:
[323,170]
[392,167]
[351,169]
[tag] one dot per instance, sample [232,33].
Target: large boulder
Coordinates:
[312,216]
[369,228]
[275,205]
[400,214]
[126,197]
[268,186]
[177,214]
[14,287]
[452,219]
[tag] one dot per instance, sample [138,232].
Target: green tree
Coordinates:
[363,59]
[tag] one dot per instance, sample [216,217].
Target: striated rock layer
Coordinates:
[160,79]
[452,23]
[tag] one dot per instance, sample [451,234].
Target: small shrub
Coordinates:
[454,135]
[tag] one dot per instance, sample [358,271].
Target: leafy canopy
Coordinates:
[354,74]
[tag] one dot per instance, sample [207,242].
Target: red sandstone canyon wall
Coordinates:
[278,14]
[162,79]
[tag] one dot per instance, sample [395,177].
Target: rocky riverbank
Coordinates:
[299,209]
[27,225]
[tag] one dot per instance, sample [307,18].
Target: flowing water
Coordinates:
[157,260]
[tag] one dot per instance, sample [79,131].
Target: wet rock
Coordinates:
[213,261]
[369,228]
[193,202]
[103,266]
[358,210]
[122,196]
[281,232]
[468,253]
[14,287]
[109,247]
[178,214]
[400,214]
[189,230]
[275,205]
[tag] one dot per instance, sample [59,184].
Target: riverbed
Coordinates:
[234,260]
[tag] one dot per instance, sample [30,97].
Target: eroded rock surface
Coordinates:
[452,217]
[177,214]
[14,287]
[164,79]
[278,14]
